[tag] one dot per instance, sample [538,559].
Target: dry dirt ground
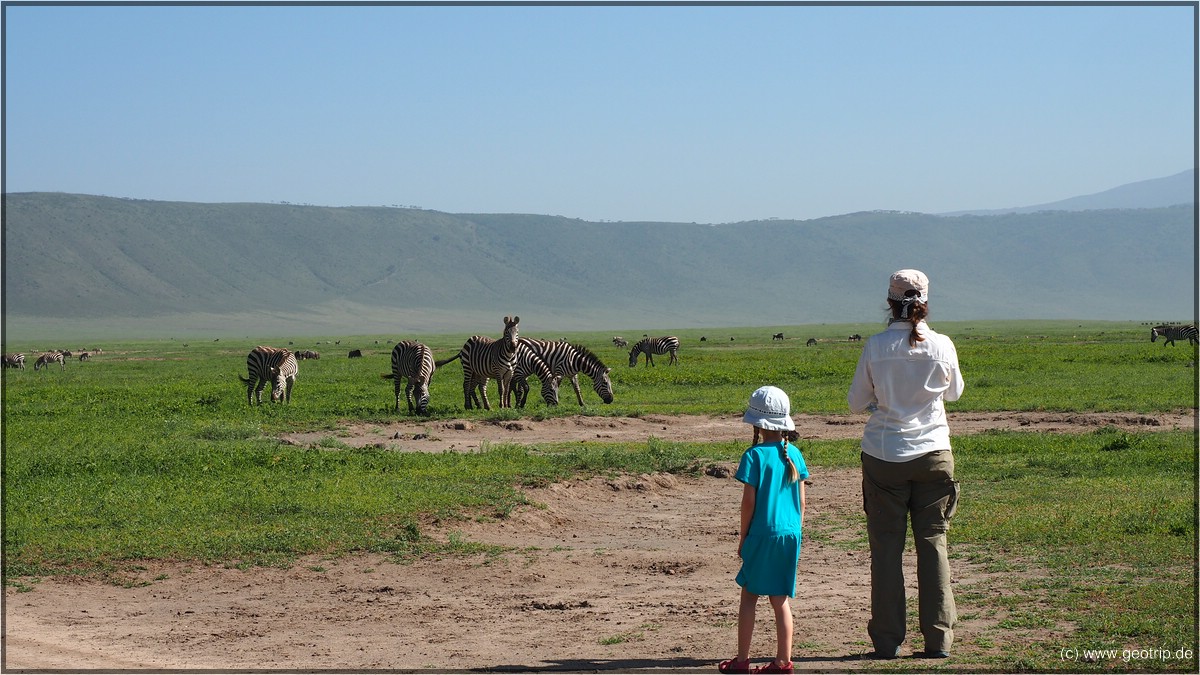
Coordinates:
[628,574]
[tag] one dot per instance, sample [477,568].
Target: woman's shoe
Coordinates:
[734,666]
[773,667]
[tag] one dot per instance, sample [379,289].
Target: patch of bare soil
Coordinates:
[470,435]
[634,573]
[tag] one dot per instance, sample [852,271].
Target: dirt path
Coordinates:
[604,575]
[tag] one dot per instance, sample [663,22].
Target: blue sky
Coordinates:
[674,113]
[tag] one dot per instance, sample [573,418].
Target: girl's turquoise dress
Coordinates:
[771,551]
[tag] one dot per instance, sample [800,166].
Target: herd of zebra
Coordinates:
[510,360]
[59,356]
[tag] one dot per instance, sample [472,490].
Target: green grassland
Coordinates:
[150,451]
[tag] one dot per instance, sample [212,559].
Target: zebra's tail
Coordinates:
[386,376]
[439,364]
[244,380]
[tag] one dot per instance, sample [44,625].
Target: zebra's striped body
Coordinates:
[567,361]
[46,359]
[14,361]
[653,345]
[414,361]
[1170,334]
[484,358]
[529,363]
[268,364]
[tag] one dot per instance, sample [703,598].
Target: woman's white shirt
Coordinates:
[904,387]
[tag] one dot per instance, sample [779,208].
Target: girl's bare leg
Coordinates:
[783,629]
[746,624]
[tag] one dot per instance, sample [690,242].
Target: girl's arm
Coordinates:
[749,495]
[803,493]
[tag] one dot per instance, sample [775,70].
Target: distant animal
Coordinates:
[1170,334]
[703,338]
[269,364]
[307,354]
[355,354]
[84,356]
[414,361]
[811,342]
[484,358]
[567,360]
[50,357]
[620,342]
[855,338]
[527,364]
[16,360]
[655,345]
[777,336]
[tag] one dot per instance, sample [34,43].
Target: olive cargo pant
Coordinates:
[926,489]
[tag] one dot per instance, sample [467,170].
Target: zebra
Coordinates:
[14,361]
[567,361]
[415,361]
[1172,333]
[811,342]
[268,364]
[529,363]
[484,358]
[652,345]
[777,336]
[619,341]
[50,357]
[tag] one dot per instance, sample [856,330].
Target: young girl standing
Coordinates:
[772,473]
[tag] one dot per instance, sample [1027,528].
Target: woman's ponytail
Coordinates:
[793,474]
[912,310]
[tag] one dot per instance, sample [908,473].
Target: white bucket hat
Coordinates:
[770,409]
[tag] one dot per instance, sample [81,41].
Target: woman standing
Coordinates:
[903,377]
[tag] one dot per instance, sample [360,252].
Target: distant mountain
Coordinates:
[1146,194]
[238,269]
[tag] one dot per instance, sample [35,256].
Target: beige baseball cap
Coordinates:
[905,282]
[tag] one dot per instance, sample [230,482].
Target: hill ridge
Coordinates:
[84,257]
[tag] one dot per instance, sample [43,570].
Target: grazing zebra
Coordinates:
[268,364]
[619,341]
[50,357]
[14,361]
[652,345]
[529,363]
[1170,334]
[811,342]
[567,361]
[777,336]
[484,358]
[414,361]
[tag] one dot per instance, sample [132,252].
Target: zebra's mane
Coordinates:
[588,357]
[270,350]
